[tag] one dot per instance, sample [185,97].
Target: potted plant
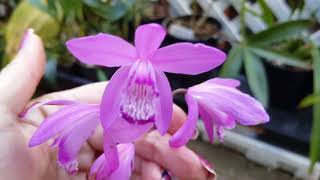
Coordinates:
[280,64]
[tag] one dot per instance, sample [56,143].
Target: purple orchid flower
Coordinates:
[139,95]
[70,127]
[220,106]
[126,156]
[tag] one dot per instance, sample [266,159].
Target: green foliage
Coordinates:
[267,14]
[101,75]
[280,57]
[279,32]
[256,76]
[232,66]
[57,21]
[315,134]
[309,100]
[43,24]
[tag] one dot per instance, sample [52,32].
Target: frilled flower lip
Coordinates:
[112,51]
[220,105]
[70,127]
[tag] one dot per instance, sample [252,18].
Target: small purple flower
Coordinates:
[70,127]
[220,106]
[139,95]
[126,156]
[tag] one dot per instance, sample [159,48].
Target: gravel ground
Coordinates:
[231,165]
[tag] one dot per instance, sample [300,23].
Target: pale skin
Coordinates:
[18,82]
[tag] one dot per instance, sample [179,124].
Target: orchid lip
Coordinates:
[139,93]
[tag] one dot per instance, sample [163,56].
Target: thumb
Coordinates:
[20,78]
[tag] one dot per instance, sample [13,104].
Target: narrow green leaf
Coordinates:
[279,32]
[256,76]
[101,75]
[267,14]
[280,57]
[51,70]
[315,132]
[309,100]
[232,66]
[109,10]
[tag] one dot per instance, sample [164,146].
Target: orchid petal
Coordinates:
[208,124]
[187,58]
[59,120]
[148,39]
[185,133]
[110,104]
[50,102]
[96,167]
[112,157]
[71,143]
[126,155]
[102,49]
[222,119]
[122,131]
[163,104]
[224,81]
[242,107]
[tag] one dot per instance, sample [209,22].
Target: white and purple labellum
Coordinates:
[138,97]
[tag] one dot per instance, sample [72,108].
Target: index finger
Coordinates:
[181,162]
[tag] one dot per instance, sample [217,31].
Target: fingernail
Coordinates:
[25,37]
[211,173]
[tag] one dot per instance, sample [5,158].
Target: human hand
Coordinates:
[18,83]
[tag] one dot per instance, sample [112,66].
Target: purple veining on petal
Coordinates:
[138,97]
[221,105]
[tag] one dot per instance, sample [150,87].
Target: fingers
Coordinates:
[178,118]
[154,147]
[21,77]
[145,170]
[90,93]
[96,140]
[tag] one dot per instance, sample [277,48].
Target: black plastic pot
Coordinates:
[288,86]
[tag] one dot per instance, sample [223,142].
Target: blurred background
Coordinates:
[272,47]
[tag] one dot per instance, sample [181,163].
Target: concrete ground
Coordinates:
[231,165]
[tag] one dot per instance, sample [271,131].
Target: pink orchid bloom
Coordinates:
[139,95]
[220,106]
[70,127]
[126,156]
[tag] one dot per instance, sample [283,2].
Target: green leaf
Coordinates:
[27,16]
[279,32]
[110,10]
[309,100]
[101,75]
[51,69]
[52,7]
[279,57]
[232,66]
[70,5]
[256,76]
[267,14]
[315,132]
